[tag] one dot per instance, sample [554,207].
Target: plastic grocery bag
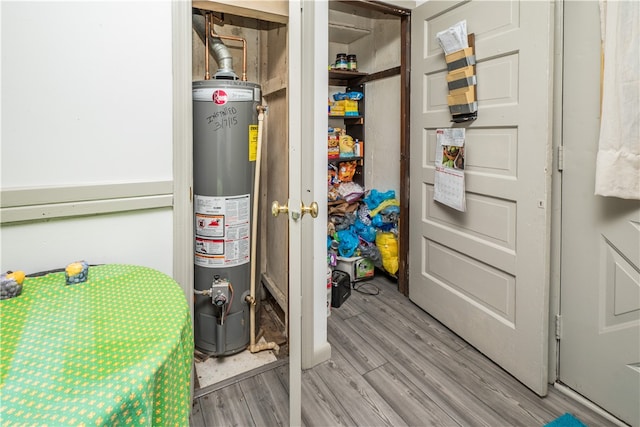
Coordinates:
[387,243]
[375,198]
[366,232]
[347,243]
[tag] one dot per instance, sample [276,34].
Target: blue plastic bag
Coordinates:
[378,222]
[375,198]
[347,243]
[366,232]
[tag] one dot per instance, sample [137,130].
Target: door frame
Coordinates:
[556,220]
[299,262]
[181,60]
[573,56]
[405,152]
[556,194]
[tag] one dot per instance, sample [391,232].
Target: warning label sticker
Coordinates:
[209,225]
[209,246]
[253,143]
[222,230]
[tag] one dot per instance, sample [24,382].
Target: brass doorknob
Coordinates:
[276,209]
[311,209]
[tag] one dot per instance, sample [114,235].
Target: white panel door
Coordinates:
[485,272]
[296,256]
[600,279]
[307,47]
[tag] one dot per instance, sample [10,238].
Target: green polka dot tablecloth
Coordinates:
[113,351]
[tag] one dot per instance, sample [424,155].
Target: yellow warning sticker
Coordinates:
[253,142]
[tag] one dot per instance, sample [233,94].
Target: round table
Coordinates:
[114,350]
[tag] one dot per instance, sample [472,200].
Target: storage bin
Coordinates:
[358,268]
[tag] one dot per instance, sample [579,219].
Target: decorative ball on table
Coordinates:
[76,272]
[11,284]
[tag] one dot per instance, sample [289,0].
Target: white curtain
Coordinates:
[618,160]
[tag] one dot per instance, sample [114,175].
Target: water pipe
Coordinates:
[203,26]
[222,51]
[251,298]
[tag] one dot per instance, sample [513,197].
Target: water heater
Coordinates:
[225,131]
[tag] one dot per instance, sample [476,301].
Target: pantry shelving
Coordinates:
[352,124]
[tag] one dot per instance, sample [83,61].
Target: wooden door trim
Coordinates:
[405,149]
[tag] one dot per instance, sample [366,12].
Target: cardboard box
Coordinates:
[460,73]
[460,59]
[452,57]
[459,91]
[333,147]
[461,84]
[464,98]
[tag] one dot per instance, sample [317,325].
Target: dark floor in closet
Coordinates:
[391,365]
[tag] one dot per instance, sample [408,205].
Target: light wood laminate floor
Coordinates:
[391,364]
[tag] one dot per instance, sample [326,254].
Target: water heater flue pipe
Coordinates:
[203,26]
[251,298]
[222,52]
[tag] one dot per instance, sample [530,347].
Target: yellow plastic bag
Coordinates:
[346,145]
[387,244]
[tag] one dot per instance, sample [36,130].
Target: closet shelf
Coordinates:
[346,34]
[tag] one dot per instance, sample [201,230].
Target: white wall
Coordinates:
[142,238]
[86,92]
[86,100]
[381,51]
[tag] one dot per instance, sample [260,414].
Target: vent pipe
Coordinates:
[203,27]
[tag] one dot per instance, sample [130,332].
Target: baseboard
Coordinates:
[589,404]
[320,354]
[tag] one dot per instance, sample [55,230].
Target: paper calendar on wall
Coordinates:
[449,163]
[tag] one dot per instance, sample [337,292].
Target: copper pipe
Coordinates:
[239,39]
[207,76]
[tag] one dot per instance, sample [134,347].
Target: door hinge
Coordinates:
[558,327]
[560,157]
